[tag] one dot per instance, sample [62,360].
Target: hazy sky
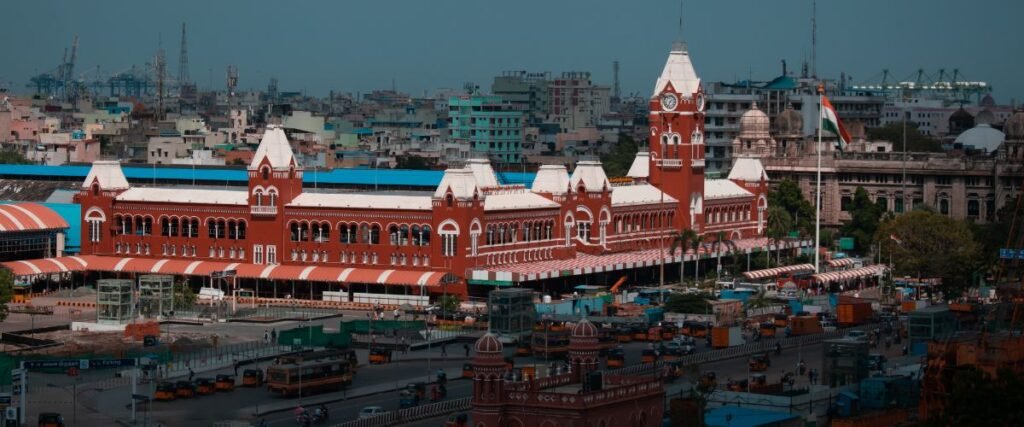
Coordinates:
[428,44]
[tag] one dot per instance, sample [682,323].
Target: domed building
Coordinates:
[755,139]
[1013,145]
[789,131]
[981,137]
[960,121]
[985,117]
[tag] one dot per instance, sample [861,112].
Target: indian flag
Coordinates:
[830,122]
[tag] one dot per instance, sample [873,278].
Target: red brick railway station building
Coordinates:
[467,236]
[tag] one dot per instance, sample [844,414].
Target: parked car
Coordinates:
[370,412]
[857,335]
[828,326]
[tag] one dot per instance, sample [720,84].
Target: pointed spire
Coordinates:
[275,148]
[678,72]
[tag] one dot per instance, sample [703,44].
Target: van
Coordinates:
[211,294]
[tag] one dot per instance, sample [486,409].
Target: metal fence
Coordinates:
[411,414]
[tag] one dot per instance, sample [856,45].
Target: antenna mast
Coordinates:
[617,90]
[814,38]
[183,59]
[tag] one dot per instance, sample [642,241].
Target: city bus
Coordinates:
[310,376]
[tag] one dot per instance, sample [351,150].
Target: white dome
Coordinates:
[754,124]
[981,137]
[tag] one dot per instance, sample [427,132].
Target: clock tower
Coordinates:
[676,138]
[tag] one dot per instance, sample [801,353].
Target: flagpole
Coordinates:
[817,192]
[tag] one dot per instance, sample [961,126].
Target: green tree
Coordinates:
[184,297]
[932,245]
[787,196]
[977,399]
[13,157]
[688,303]
[779,225]
[916,141]
[6,291]
[448,303]
[721,244]
[864,217]
[681,241]
[413,162]
[617,161]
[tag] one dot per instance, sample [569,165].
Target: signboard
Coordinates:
[5,399]
[79,363]
[846,243]
[223,274]
[1008,253]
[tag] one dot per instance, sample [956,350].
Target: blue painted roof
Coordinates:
[744,417]
[362,176]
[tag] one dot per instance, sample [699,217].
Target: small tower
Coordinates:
[96,196]
[488,380]
[584,349]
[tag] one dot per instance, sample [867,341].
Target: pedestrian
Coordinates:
[273,335]
[405,348]
[398,314]
[237,364]
[466,347]
[191,374]
[444,350]
[266,336]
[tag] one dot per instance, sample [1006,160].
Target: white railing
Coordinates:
[263,210]
[416,413]
[670,163]
[697,163]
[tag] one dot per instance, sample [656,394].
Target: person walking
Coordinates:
[444,350]
[191,374]
[466,348]
[405,348]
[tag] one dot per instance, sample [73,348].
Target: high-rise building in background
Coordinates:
[489,124]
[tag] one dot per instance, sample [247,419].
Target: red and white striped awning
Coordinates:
[772,272]
[841,262]
[313,273]
[856,273]
[29,217]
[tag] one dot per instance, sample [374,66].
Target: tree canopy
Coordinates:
[6,292]
[617,161]
[12,157]
[413,162]
[916,141]
[931,245]
[977,399]
[788,197]
[184,297]
[863,224]
[688,303]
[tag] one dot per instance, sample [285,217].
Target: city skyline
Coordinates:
[360,46]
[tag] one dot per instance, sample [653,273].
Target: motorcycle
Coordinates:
[303,420]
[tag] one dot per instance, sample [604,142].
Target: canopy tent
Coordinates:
[856,273]
[772,272]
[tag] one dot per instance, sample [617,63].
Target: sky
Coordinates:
[424,45]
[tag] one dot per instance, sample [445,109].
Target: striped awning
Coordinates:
[29,217]
[772,272]
[856,273]
[841,262]
[313,273]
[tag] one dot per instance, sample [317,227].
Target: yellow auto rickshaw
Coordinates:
[623,335]
[648,356]
[767,329]
[616,359]
[668,332]
[639,334]
[185,389]
[165,391]
[467,370]
[523,348]
[760,363]
[380,356]
[252,378]
[51,419]
[225,383]
[781,320]
[205,386]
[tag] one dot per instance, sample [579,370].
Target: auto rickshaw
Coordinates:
[457,420]
[380,356]
[760,363]
[523,348]
[758,381]
[616,358]
[623,335]
[767,329]
[417,389]
[654,334]
[781,320]
[639,334]
[185,389]
[164,392]
[668,332]
[528,372]
[205,386]
[252,378]
[648,356]
[671,372]
[672,353]
[698,330]
[408,399]
[225,383]
[467,370]
[737,385]
[51,419]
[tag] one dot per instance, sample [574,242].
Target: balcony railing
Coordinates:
[264,210]
[697,163]
[670,163]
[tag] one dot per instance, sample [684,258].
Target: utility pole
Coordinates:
[814,38]
[183,59]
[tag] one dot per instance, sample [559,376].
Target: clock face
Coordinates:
[669,102]
[700,102]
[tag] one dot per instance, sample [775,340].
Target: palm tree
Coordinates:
[718,244]
[681,240]
[695,244]
[779,223]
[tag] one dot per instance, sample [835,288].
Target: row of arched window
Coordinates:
[642,221]
[180,227]
[726,214]
[528,231]
[398,234]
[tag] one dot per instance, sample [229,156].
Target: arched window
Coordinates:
[232,230]
[241,231]
[259,197]
[294,231]
[364,235]
[272,195]
[403,235]
[165,227]
[265,173]
[375,236]
[417,235]
[425,236]
[345,234]
[393,235]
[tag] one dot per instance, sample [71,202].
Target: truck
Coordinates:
[804,325]
[853,313]
[726,336]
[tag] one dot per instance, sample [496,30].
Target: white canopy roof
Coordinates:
[274,147]
[109,175]
[641,167]
[747,169]
[551,179]
[362,201]
[678,71]
[462,182]
[723,189]
[591,174]
[181,195]
[483,173]
[642,194]
[517,199]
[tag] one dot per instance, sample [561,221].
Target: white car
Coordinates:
[211,294]
[857,335]
[829,326]
[370,412]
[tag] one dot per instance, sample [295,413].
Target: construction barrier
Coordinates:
[137,331]
[292,302]
[76,304]
[408,415]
